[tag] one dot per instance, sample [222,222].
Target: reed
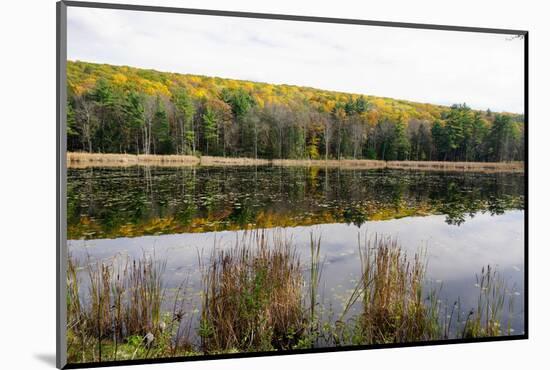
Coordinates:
[486,167]
[256,295]
[314,327]
[393,296]
[82,159]
[486,319]
[232,161]
[252,296]
[331,163]
[121,315]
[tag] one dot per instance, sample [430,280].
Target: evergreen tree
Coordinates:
[440,140]
[503,139]
[184,113]
[210,127]
[161,130]
[401,142]
[135,117]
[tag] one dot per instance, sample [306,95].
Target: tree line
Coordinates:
[110,114]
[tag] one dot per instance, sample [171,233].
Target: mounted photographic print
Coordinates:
[239,184]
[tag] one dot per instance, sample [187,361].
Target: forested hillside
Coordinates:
[114,109]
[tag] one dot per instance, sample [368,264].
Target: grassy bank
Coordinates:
[259,295]
[331,163]
[83,160]
[457,166]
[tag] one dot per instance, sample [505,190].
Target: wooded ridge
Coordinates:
[120,109]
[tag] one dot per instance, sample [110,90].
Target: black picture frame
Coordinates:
[61,176]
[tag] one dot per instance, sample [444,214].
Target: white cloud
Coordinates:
[442,67]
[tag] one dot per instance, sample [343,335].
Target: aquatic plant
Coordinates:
[252,296]
[256,295]
[315,269]
[120,316]
[486,319]
[395,306]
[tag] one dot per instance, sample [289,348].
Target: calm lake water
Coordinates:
[463,220]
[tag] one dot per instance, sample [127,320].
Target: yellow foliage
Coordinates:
[82,77]
[119,79]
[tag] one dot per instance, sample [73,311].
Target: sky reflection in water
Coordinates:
[455,253]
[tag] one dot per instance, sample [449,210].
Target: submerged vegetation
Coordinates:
[121,109]
[136,201]
[259,296]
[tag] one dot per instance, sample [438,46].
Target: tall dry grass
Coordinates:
[231,161]
[488,167]
[395,309]
[256,297]
[331,163]
[252,296]
[82,159]
[122,309]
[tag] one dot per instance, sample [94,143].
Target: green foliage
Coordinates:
[239,99]
[210,126]
[440,139]
[503,139]
[134,113]
[402,145]
[184,111]
[134,110]
[161,130]
[72,132]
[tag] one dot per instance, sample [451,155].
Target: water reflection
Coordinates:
[135,201]
[455,255]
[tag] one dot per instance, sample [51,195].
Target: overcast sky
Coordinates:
[441,67]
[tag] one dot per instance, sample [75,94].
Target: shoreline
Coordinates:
[84,160]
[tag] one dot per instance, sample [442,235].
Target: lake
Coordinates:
[463,222]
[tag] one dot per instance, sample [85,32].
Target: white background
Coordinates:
[27,182]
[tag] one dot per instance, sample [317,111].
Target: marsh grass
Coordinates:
[331,163]
[395,306]
[121,315]
[315,273]
[396,309]
[399,306]
[486,319]
[232,161]
[257,295]
[252,296]
[485,167]
[83,160]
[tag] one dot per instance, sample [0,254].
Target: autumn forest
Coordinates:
[119,109]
